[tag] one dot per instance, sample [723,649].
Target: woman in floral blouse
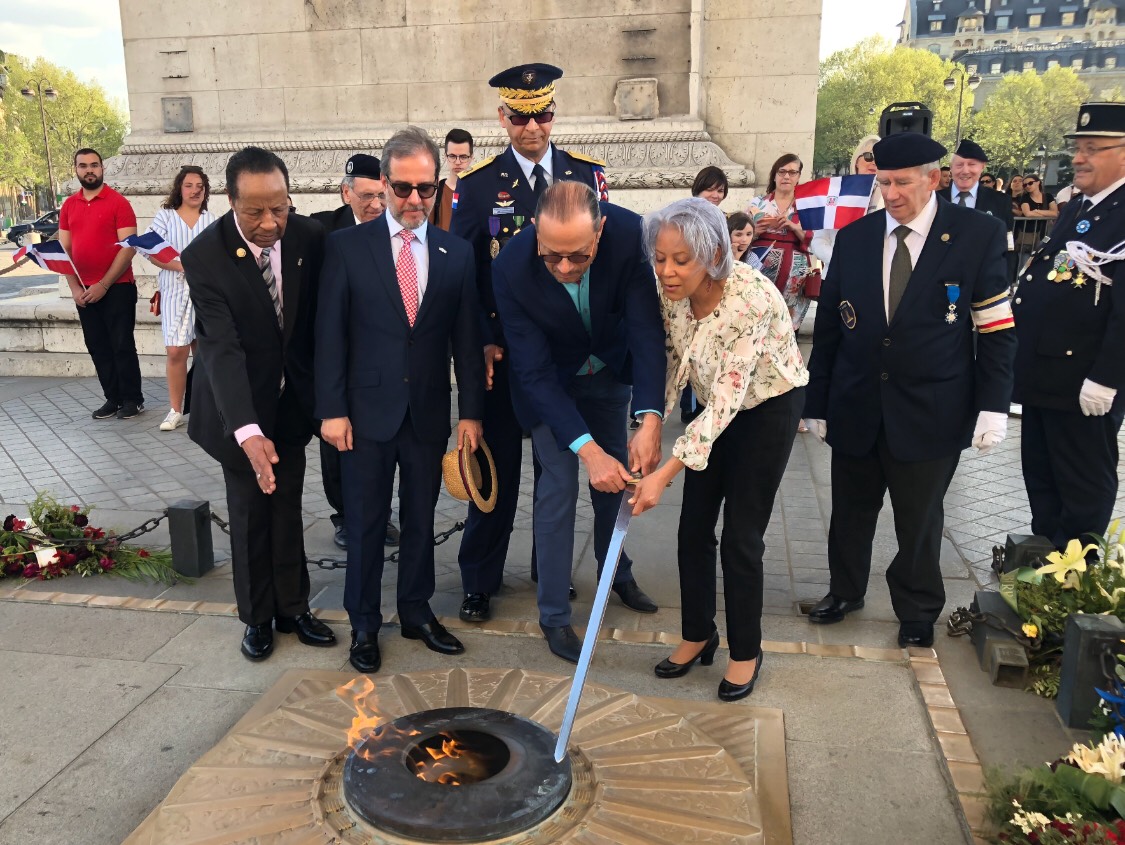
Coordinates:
[731,338]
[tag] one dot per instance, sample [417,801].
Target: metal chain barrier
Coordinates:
[109,539]
[961,622]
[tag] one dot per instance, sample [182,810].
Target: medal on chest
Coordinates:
[1063,271]
[1083,227]
[518,221]
[494,230]
[952,293]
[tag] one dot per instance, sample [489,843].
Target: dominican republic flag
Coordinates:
[49,255]
[150,243]
[834,202]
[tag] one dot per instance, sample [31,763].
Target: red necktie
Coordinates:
[407,272]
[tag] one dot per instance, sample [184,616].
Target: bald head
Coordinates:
[564,201]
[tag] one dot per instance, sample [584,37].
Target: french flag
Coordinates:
[49,255]
[151,244]
[834,202]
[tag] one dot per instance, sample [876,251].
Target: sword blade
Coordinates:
[594,626]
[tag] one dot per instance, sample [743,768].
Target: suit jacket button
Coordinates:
[1028,277]
[884,376]
[1069,352]
[886,341]
[492,316]
[406,379]
[1018,300]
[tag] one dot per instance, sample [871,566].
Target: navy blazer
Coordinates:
[497,190]
[547,341]
[920,378]
[1064,337]
[989,201]
[371,365]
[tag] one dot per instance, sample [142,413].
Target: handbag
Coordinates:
[154,304]
[812,284]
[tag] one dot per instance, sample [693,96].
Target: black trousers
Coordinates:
[1070,471]
[917,492]
[267,532]
[107,328]
[742,476]
[368,472]
[333,484]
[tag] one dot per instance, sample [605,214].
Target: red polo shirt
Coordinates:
[93,226]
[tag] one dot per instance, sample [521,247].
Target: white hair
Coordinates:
[703,228]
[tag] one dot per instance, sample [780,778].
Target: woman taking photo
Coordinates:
[731,339]
[182,216]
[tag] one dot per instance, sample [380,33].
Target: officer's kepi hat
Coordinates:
[1100,120]
[971,149]
[527,89]
[906,149]
[362,165]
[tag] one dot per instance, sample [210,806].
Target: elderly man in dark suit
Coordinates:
[578,305]
[253,278]
[900,382]
[967,167]
[364,200]
[397,294]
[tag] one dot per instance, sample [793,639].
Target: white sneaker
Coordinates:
[173,421]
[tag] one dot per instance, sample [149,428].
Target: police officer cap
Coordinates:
[906,149]
[1100,120]
[971,149]
[362,165]
[527,89]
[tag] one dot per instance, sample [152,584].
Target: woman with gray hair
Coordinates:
[730,336]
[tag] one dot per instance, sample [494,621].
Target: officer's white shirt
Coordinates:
[970,200]
[919,231]
[527,165]
[1101,195]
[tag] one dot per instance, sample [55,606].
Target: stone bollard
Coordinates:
[189,527]
[1084,641]
[1001,655]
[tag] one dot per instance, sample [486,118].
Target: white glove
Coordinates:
[992,428]
[819,428]
[1095,399]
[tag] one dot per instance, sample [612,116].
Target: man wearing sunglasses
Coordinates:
[1070,365]
[578,303]
[494,201]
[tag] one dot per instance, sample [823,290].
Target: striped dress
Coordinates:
[177,316]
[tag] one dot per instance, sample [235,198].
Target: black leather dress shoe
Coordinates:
[257,642]
[309,629]
[475,608]
[393,535]
[341,536]
[917,634]
[364,652]
[831,609]
[733,692]
[562,641]
[667,669]
[434,635]
[634,598]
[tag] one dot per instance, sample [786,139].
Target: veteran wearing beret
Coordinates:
[899,381]
[494,201]
[1070,320]
[967,166]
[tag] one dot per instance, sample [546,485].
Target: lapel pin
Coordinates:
[503,175]
[441,249]
[945,237]
[569,173]
[300,261]
[240,252]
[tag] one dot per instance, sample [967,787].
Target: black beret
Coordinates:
[526,77]
[970,149]
[1100,120]
[363,165]
[906,149]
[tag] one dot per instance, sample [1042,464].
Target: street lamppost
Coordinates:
[973,80]
[43,89]
[1042,161]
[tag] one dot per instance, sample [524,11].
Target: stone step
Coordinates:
[66,364]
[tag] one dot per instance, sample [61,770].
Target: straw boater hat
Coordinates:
[467,479]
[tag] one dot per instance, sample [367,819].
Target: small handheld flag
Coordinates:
[49,255]
[834,202]
[152,245]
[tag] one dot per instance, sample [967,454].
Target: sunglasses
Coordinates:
[866,156]
[987,182]
[577,259]
[403,190]
[524,119]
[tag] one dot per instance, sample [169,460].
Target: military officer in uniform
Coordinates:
[900,382]
[1070,320]
[494,201]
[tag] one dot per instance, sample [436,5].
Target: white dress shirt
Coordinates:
[970,200]
[417,247]
[527,165]
[919,231]
[1101,195]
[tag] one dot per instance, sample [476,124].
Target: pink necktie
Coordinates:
[407,272]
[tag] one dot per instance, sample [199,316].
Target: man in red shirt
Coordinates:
[90,225]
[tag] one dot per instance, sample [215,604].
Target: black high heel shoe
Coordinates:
[667,669]
[733,692]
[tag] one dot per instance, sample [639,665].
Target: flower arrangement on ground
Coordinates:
[58,540]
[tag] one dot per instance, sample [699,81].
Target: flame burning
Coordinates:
[449,765]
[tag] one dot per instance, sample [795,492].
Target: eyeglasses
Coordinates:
[457,159]
[403,190]
[576,258]
[524,119]
[793,174]
[1073,149]
[367,199]
[987,182]
[869,156]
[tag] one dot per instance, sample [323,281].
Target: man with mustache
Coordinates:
[91,223]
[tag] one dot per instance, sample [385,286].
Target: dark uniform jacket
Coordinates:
[333,221]
[989,201]
[496,190]
[919,378]
[1064,338]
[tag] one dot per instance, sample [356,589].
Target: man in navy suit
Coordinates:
[494,201]
[577,299]
[396,296]
[900,382]
[967,165]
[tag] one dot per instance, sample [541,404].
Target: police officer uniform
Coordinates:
[1070,368]
[494,201]
[899,377]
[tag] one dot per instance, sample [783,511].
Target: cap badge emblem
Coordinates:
[528,77]
[351,166]
[1085,119]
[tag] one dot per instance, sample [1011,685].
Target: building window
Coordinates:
[994,68]
[1076,63]
[1034,20]
[1066,39]
[1111,61]
[1052,63]
[1067,19]
[937,5]
[1031,42]
[971,69]
[935,26]
[1029,65]
[1002,22]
